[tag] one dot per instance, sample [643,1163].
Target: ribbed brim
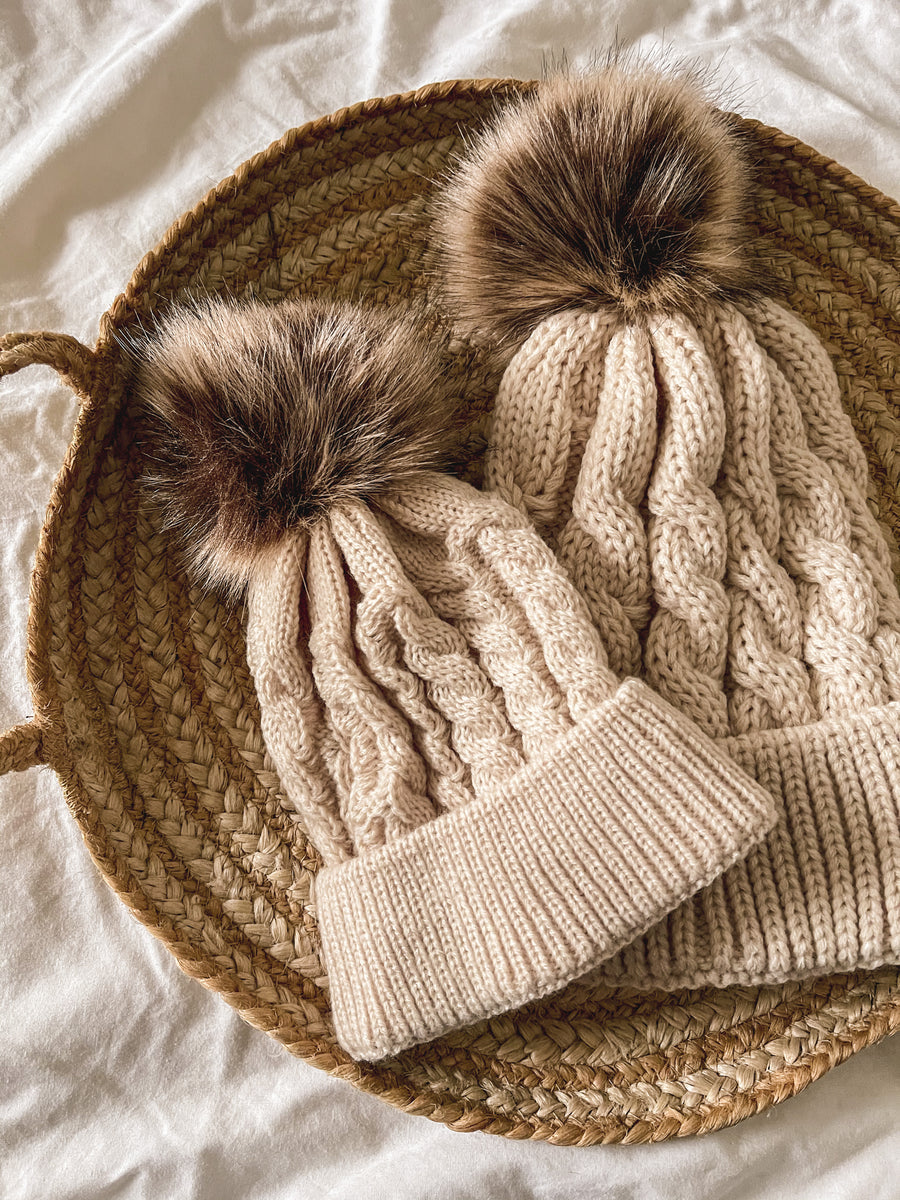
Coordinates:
[512,896]
[821,893]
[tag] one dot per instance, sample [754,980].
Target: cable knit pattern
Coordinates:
[292,720]
[546,714]
[386,794]
[566,397]
[768,681]
[498,813]
[494,546]
[687,641]
[383,635]
[604,544]
[534,708]
[458,686]
[543,412]
[837,591]
[776,628]
[805,364]
[572,647]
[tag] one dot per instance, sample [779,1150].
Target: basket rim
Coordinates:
[320,128]
[880,1020]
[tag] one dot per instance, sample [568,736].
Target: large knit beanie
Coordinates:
[495,810]
[679,441]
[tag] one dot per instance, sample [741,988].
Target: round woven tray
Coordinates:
[146,710]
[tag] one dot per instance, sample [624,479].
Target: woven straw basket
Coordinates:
[146,710]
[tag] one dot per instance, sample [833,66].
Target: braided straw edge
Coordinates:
[21,748]
[461,1116]
[64,353]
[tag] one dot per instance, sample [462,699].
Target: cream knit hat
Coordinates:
[679,441]
[496,811]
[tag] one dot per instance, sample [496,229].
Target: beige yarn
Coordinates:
[775,618]
[687,641]
[496,812]
[768,682]
[550,393]
[835,641]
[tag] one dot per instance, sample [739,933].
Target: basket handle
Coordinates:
[74,361]
[21,747]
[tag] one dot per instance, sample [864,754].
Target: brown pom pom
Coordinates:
[259,417]
[626,189]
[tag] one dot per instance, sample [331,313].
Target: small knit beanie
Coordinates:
[495,810]
[679,441]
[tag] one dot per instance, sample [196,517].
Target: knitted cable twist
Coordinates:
[573,649]
[381,635]
[494,543]
[549,389]
[457,685]
[805,364]
[384,649]
[768,681]
[570,434]
[508,649]
[509,653]
[585,402]
[837,592]
[604,545]
[687,641]
[464,596]
[380,777]
[440,584]
[291,711]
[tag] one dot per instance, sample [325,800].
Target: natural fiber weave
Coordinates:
[146,710]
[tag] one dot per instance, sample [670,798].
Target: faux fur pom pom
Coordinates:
[625,188]
[259,417]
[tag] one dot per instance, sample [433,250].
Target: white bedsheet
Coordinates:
[120,1076]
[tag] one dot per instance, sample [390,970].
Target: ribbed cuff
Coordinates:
[821,894]
[512,896]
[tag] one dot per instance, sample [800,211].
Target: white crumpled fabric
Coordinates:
[122,1078]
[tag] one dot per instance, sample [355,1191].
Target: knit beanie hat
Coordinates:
[496,811]
[678,439]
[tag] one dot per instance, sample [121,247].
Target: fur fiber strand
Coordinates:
[258,418]
[624,188]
